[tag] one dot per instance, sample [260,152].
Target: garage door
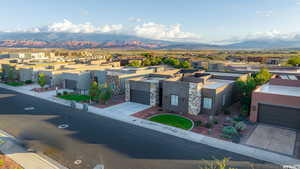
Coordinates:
[71,84]
[139,96]
[279,115]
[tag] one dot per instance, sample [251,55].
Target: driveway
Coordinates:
[127,108]
[273,139]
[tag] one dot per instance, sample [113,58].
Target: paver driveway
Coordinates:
[273,138]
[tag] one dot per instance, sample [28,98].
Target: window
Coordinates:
[174,100]
[223,99]
[207,103]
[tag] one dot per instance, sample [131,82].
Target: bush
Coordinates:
[28,82]
[215,121]
[229,130]
[226,136]
[240,126]
[65,93]
[238,119]
[227,112]
[58,94]
[208,125]
[198,123]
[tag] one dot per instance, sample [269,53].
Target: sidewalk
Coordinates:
[28,160]
[121,113]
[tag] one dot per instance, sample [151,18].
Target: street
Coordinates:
[81,140]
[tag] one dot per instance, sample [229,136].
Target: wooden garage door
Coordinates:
[139,96]
[71,84]
[279,115]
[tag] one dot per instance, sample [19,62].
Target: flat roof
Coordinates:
[226,74]
[216,83]
[281,90]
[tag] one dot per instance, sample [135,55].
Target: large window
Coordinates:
[207,103]
[174,100]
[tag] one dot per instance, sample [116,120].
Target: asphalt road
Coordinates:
[96,140]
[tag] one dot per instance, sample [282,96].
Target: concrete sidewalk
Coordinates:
[123,114]
[28,160]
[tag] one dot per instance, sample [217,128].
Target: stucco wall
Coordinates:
[259,97]
[178,88]
[25,74]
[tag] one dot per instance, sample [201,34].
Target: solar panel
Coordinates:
[284,77]
[292,77]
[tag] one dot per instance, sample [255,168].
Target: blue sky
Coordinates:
[207,20]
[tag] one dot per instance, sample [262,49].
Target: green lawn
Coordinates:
[173,120]
[75,97]
[15,83]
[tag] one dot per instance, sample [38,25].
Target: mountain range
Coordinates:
[96,40]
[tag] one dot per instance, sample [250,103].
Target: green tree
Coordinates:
[185,65]
[245,89]
[105,93]
[147,55]
[262,76]
[11,74]
[135,63]
[147,62]
[42,81]
[94,91]
[295,61]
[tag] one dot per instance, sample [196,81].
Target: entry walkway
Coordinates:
[122,112]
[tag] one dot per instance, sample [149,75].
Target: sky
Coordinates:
[178,20]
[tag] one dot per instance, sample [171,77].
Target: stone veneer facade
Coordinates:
[194,99]
[127,91]
[114,82]
[153,94]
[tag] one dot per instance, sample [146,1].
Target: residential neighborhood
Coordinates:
[255,108]
[136,84]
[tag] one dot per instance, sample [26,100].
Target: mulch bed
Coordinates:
[7,163]
[216,130]
[112,102]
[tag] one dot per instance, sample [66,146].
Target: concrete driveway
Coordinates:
[273,139]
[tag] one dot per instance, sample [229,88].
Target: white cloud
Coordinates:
[133,19]
[146,30]
[265,13]
[267,35]
[67,26]
[162,32]
[297,2]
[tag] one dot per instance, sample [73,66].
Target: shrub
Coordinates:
[208,125]
[215,121]
[41,80]
[198,123]
[238,119]
[218,164]
[58,94]
[227,112]
[240,126]
[226,136]
[28,82]
[229,130]
[65,93]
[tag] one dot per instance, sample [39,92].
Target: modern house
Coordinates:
[277,102]
[188,92]
[116,77]
[147,89]
[200,93]
[78,81]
